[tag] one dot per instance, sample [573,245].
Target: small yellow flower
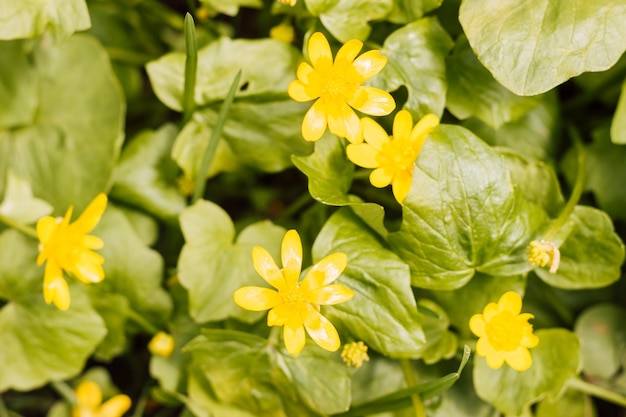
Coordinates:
[504,334]
[283,32]
[354,354]
[288,2]
[392,156]
[296,304]
[67,247]
[162,344]
[338,88]
[542,253]
[89,399]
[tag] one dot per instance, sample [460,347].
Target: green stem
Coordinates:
[4,412]
[191,69]
[411,381]
[141,404]
[596,391]
[65,391]
[143,323]
[27,230]
[576,191]
[209,153]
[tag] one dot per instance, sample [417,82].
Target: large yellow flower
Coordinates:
[67,247]
[338,88]
[296,304]
[392,156]
[504,334]
[89,402]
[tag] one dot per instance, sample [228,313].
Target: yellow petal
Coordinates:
[372,101]
[331,294]
[279,315]
[370,64]
[490,311]
[57,291]
[291,255]
[374,134]
[495,360]
[314,123]
[321,330]
[93,242]
[363,155]
[45,228]
[304,71]
[298,91]
[422,129]
[88,268]
[401,185]
[402,125]
[519,359]
[529,340]
[91,216]
[344,122]
[294,339]
[88,395]
[510,301]
[115,406]
[381,178]
[349,50]
[325,271]
[318,48]
[256,298]
[477,325]
[266,267]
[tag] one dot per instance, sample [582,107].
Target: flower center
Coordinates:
[293,296]
[396,155]
[504,331]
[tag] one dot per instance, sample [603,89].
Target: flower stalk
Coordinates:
[596,391]
[411,381]
[191,69]
[14,224]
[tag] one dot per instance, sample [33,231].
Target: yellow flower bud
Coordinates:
[354,354]
[542,253]
[282,32]
[288,2]
[162,344]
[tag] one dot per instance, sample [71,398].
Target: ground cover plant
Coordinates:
[258,208]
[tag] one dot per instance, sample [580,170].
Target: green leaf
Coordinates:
[114,310]
[530,47]
[440,342]
[570,404]
[383,311]
[244,371]
[131,269]
[416,59]
[407,11]
[229,7]
[347,20]
[146,175]
[330,177]
[618,126]
[536,180]
[463,214]
[534,135]
[472,91]
[190,145]
[22,19]
[600,329]
[19,203]
[262,135]
[555,360]
[591,252]
[77,132]
[461,304]
[18,85]
[27,324]
[267,66]
[213,264]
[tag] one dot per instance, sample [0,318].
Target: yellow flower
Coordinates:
[504,334]
[288,2]
[282,32]
[67,247]
[89,399]
[338,88]
[296,304]
[542,253]
[162,344]
[354,354]
[392,156]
